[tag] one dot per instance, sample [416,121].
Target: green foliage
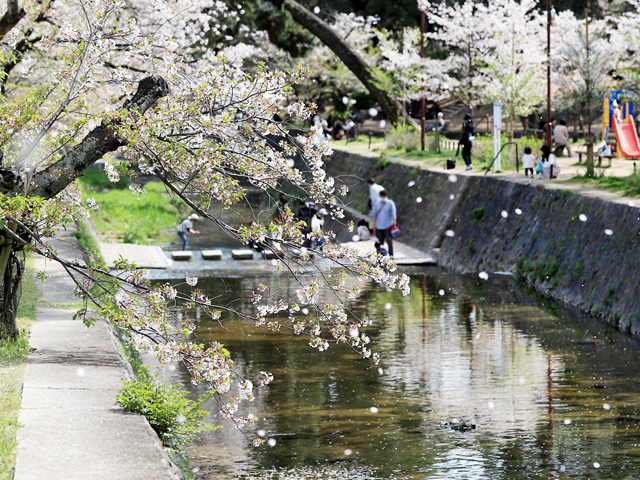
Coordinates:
[177,419]
[382,162]
[123,216]
[478,214]
[98,180]
[13,356]
[88,244]
[629,186]
[403,137]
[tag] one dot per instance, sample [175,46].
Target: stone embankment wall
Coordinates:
[592,264]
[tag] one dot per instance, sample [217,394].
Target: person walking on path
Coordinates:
[561,136]
[467,137]
[384,217]
[528,160]
[186,226]
[374,191]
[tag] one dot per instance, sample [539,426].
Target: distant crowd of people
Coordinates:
[338,130]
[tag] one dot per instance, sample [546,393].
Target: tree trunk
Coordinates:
[370,77]
[11,269]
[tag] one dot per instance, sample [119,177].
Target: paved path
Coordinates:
[570,169]
[71,426]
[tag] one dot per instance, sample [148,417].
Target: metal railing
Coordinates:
[500,152]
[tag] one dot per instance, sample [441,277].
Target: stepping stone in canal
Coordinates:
[242,254]
[179,256]
[272,255]
[211,254]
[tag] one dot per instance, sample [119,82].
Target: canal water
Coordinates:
[551,393]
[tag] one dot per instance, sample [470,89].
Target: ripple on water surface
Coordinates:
[548,391]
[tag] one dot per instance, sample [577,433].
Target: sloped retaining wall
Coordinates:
[592,264]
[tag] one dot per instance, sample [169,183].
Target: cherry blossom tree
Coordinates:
[372,79]
[463,30]
[103,80]
[515,65]
[626,38]
[582,64]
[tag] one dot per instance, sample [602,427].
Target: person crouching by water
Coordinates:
[550,164]
[380,250]
[384,217]
[317,223]
[186,226]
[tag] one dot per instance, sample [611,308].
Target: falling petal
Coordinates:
[452,196]
[518,211]
[606,406]
[441,292]
[504,214]
[567,422]
[305,311]
[316,10]
[355,238]
[271,442]
[582,217]
[347,451]
[387,306]
[450,233]
[453,178]
[373,112]
[411,183]
[596,465]
[484,275]
[374,409]
[419,200]
[491,405]
[608,232]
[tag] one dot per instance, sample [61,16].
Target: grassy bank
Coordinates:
[13,357]
[404,142]
[628,186]
[123,217]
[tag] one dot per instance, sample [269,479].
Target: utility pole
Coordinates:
[423,126]
[590,170]
[548,129]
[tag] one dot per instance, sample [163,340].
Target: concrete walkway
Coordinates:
[71,427]
[570,169]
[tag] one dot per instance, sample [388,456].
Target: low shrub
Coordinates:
[176,419]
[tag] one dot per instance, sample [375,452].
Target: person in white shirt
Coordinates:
[363,231]
[374,191]
[317,222]
[186,226]
[528,160]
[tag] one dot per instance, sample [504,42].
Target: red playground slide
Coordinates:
[627,138]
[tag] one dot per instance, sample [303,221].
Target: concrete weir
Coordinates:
[576,248]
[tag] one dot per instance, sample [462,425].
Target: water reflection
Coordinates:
[533,377]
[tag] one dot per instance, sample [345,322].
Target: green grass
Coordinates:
[125,218]
[13,356]
[629,186]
